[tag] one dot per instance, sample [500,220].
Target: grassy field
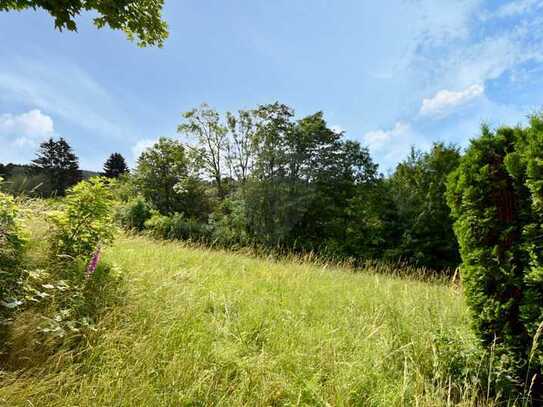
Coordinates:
[202,327]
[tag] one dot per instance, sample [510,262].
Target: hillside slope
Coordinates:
[203,327]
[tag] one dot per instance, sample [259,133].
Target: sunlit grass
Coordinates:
[204,327]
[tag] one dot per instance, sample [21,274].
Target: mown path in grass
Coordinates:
[204,327]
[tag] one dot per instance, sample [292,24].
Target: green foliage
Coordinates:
[68,302]
[418,188]
[166,176]
[124,188]
[59,164]
[48,303]
[115,166]
[176,226]
[229,223]
[85,220]
[296,185]
[303,180]
[12,244]
[495,197]
[11,240]
[203,126]
[134,214]
[139,19]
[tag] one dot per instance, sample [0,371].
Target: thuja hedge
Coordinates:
[496,200]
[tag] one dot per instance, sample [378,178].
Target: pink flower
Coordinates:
[93,263]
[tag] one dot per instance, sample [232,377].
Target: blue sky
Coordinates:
[391,74]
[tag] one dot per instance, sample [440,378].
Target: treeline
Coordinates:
[263,178]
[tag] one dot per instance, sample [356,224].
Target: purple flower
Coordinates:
[93,263]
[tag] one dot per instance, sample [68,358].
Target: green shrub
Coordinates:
[12,245]
[134,214]
[496,200]
[176,226]
[229,225]
[60,297]
[85,220]
[11,240]
[69,300]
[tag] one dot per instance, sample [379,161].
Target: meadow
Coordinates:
[198,326]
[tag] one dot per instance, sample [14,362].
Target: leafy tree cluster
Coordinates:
[417,189]
[496,196]
[263,177]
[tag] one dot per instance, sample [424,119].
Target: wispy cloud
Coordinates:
[62,89]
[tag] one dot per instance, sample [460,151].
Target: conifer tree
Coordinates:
[59,164]
[115,166]
[496,198]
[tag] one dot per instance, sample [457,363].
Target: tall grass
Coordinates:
[205,327]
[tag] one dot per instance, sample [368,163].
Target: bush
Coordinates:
[69,301]
[85,221]
[496,197]
[12,245]
[177,226]
[134,214]
[229,225]
[11,240]
[60,297]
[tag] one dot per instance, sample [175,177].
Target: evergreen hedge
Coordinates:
[496,200]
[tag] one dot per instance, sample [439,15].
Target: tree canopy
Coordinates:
[139,19]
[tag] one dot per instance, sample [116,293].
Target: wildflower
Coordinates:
[93,263]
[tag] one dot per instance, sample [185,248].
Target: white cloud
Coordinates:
[27,128]
[444,101]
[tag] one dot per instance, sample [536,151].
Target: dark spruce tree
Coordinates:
[115,166]
[58,163]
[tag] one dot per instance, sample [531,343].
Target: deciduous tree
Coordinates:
[167,177]
[203,125]
[139,19]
